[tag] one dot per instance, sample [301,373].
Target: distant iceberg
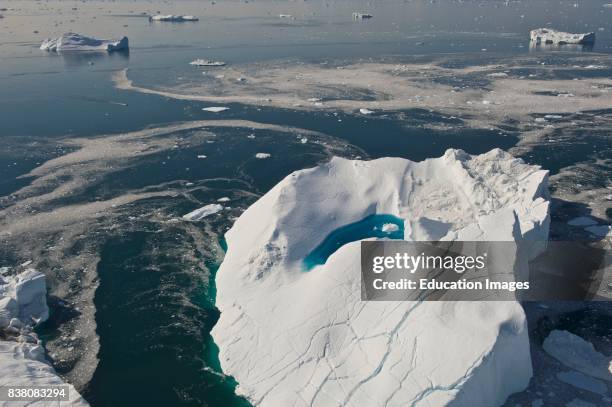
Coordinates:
[78,42]
[206,62]
[173,18]
[543,36]
[290,336]
[203,212]
[22,357]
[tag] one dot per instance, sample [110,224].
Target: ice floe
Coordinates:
[22,357]
[77,42]
[576,353]
[206,62]
[203,212]
[583,382]
[215,109]
[172,18]
[289,335]
[548,36]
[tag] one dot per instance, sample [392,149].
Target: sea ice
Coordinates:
[576,353]
[290,336]
[548,36]
[582,381]
[173,18]
[215,109]
[203,212]
[77,42]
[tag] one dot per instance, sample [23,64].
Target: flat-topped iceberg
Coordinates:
[295,337]
[547,36]
[22,356]
[173,18]
[78,42]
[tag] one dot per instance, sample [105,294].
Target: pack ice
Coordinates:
[548,36]
[291,337]
[78,42]
[22,357]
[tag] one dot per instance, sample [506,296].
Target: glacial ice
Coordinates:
[203,212]
[78,42]
[291,337]
[548,36]
[22,356]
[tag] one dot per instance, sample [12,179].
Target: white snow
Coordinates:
[262,156]
[294,337]
[548,36]
[22,356]
[203,212]
[576,353]
[215,109]
[173,18]
[76,42]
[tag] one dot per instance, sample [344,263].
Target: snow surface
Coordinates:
[22,356]
[548,36]
[576,353]
[291,337]
[203,212]
[78,42]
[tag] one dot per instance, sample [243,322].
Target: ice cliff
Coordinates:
[548,36]
[22,357]
[291,337]
[78,42]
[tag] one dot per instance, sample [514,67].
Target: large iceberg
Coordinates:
[548,36]
[291,337]
[78,42]
[22,357]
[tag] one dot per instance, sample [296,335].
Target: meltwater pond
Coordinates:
[377,225]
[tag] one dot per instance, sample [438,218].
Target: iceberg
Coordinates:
[173,18]
[203,212]
[78,42]
[22,356]
[206,62]
[215,109]
[547,36]
[290,336]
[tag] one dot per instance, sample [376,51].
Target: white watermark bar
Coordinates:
[34,393]
[397,270]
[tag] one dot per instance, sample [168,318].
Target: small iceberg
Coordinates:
[262,156]
[172,18]
[215,109]
[77,42]
[361,16]
[206,62]
[203,212]
[541,36]
[365,111]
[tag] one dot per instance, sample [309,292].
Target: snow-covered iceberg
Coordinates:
[173,18]
[547,36]
[78,42]
[203,212]
[22,356]
[291,337]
